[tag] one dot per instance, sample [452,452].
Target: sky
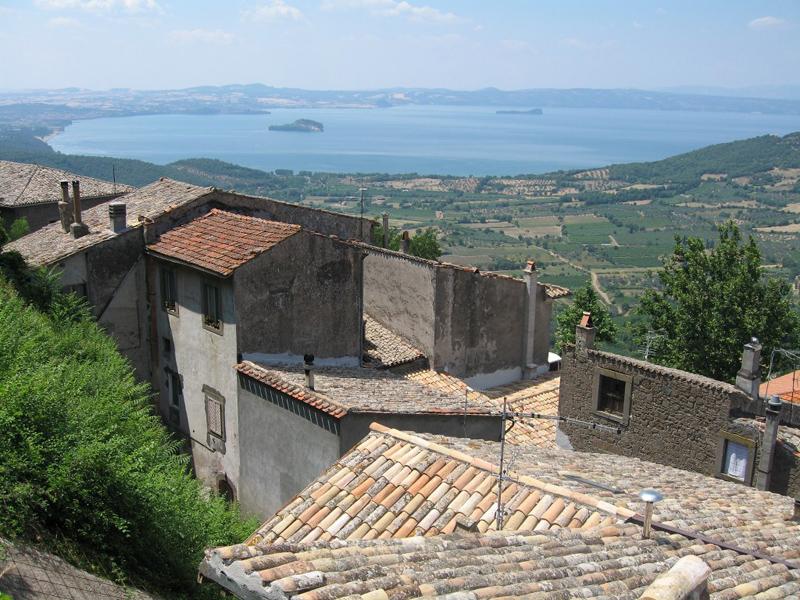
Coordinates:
[367,44]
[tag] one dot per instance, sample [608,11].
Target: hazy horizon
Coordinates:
[378,44]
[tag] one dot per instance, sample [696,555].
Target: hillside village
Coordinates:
[400,426]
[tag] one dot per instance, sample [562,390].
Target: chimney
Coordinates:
[405,243]
[308,366]
[385,230]
[768,441]
[78,228]
[148,230]
[64,207]
[117,215]
[748,379]
[532,287]
[584,334]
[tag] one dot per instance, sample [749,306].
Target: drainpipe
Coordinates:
[768,441]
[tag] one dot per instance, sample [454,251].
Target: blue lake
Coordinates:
[423,139]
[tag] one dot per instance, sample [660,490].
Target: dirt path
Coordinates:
[595,279]
[597,288]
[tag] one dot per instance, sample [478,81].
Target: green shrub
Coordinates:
[82,456]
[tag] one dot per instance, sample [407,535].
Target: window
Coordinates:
[735,457]
[169,290]
[612,395]
[212,307]
[215,418]
[167,345]
[175,390]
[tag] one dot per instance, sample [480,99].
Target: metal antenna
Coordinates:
[499,512]
[792,355]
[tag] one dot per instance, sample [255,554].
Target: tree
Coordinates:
[585,299]
[425,244]
[713,301]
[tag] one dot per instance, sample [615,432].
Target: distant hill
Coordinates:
[743,157]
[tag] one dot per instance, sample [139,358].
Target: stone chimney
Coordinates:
[686,580]
[584,334]
[385,230]
[117,216]
[65,207]
[531,276]
[405,243]
[748,379]
[308,369]
[148,230]
[768,441]
[78,227]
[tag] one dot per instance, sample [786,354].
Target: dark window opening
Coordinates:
[212,306]
[169,289]
[167,345]
[175,393]
[611,395]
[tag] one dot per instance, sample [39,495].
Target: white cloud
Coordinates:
[100,5]
[275,10]
[63,23]
[394,8]
[767,22]
[201,36]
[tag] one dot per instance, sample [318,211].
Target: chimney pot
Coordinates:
[584,334]
[308,366]
[117,215]
[405,243]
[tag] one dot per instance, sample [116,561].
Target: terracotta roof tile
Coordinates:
[383,348]
[221,241]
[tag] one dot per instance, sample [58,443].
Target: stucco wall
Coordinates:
[401,294]
[479,324]
[303,296]
[322,221]
[201,357]
[674,420]
[281,453]
[39,215]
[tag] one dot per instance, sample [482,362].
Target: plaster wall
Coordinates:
[39,215]
[281,453]
[302,296]
[202,358]
[675,417]
[401,294]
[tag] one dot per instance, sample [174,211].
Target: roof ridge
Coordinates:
[479,463]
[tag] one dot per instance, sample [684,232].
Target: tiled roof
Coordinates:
[30,574]
[786,386]
[395,484]
[384,348]
[788,436]
[604,562]
[339,537]
[555,291]
[50,244]
[221,241]
[338,391]
[24,185]
[527,395]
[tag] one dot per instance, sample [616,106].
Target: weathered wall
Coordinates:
[479,325]
[281,453]
[201,357]
[785,477]
[401,294]
[322,221]
[303,296]
[39,215]
[355,425]
[675,417]
[107,264]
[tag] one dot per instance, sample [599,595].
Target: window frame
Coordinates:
[216,441]
[626,403]
[174,396]
[206,285]
[164,273]
[722,446]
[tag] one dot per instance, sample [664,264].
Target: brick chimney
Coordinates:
[65,207]
[748,379]
[117,216]
[405,243]
[531,276]
[584,334]
[768,441]
[78,227]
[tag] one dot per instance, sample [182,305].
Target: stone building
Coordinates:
[33,192]
[485,328]
[411,515]
[678,418]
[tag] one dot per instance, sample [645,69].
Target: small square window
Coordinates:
[612,395]
[735,457]
[212,307]
[169,290]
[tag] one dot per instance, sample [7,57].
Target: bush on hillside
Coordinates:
[83,457]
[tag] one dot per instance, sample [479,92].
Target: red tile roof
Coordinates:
[786,386]
[221,241]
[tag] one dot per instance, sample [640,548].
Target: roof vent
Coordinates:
[117,215]
[308,365]
[649,496]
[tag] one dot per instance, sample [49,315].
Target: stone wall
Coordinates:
[301,297]
[39,215]
[675,417]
